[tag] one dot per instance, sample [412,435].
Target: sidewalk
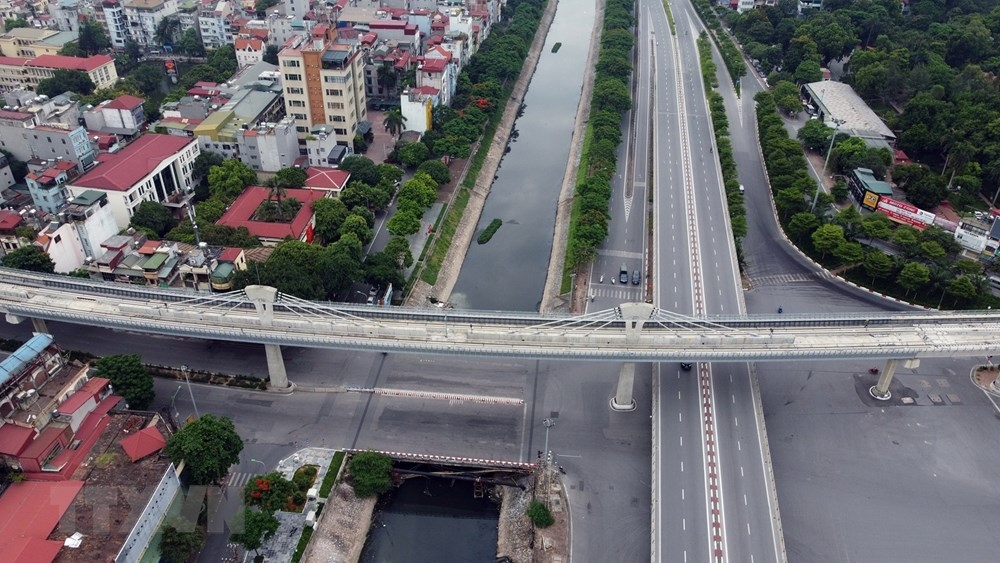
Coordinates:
[281,546]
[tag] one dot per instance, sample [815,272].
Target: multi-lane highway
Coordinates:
[712,499]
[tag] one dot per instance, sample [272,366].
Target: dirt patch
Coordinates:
[342,527]
[518,539]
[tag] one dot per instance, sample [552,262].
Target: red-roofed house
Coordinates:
[151,168]
[29,512]
[46,187]
[249,52]
[438,71]
[331,179]
[77,406]
[145,442]
[241,212]
[100,68]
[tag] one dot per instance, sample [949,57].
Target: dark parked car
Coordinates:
[636,278]
[623,275]
[686,366]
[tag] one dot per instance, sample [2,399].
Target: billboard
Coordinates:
[903,212]
[170,67]
[870,200]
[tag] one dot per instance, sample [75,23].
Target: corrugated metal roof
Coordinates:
[14,363]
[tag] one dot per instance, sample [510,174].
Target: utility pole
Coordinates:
[185,369]
[837,123]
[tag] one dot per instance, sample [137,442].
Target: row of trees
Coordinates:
[611,98]
[924,264]
[931,76]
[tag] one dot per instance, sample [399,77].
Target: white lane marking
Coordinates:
[736,420]
[680,417]
[744,499]
[741,471]
[682,494]
[738,446]
[682,441]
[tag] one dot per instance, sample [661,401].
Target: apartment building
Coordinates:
[111,14]
[123,115]
[16,72]
[269,147]
[324,84]
[249,52]
[81,225]
[29,42]
[14,127]
[214,24]
[48,187]
[152,168]
[56,141]
[144,17]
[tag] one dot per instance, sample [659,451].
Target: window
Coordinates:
[294,90]
[299,116]
[290,64]
[293,77]
[297,104]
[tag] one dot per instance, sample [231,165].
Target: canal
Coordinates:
[433,520]
[508,273]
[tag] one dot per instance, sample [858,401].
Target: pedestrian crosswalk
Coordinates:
[232,554]
[238,479]
[781,279]
[623,292]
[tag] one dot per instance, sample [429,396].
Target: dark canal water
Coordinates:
[508,273]
[433,521]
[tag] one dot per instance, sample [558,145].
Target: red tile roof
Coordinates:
[9,220]
[230,254]
[434,65]
[91,388]
[29,512]
[254,44]
[241,211]
[120,171]
[13,61]
[125,102]
[71,63]
[145,442]
[326,178]
[261,34]
[7,114]
[14,438]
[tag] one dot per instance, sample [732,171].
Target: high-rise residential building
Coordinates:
[144,17]
[323,81]
[214,24]
[111,14]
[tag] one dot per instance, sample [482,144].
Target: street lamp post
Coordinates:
[549,423]
[836,128]
[252,460]
[172,399]
[185,369]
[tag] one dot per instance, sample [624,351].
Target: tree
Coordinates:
[270,492]
[93,39]
[208,446]
[204,162]
[191,44]
[256,526]
[403,223]
[271,54]
[177,546]
[154,216]
[398,248]
[962,289]
[412,154]
[292,178]
[802,225]
[31,258]
[228,180]
[359,226]
[827,238]
[539,514]
[612,94]
[913,276]
[129,378]
[877,265]
[63,80]
[371,473]
[437,170]
[330,215]
[361,168]
[815,135]
[395,123]
[10,24]
[166,30]
[849,253]
[876,226]
[147,79]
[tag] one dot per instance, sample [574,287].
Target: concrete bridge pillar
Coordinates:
[37,324]
[634,315]
[263,298]
[881,389]
[623,400]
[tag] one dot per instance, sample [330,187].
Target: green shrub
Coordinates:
[300,549]
[540,514]
[331,474]
[371,473]
[486,235]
